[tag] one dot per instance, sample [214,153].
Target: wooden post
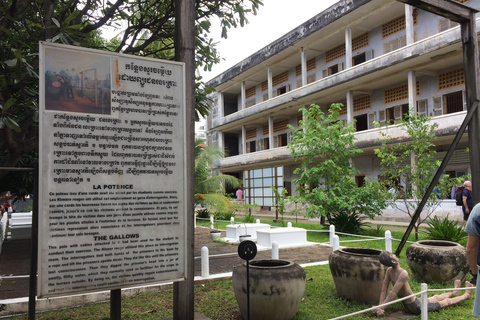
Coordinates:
[183,304]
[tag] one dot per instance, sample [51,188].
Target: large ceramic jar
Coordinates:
[357,274]
[276,289]
[437,260]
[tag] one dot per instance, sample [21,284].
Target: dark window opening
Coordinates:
[266,143]
[333,69]
[360,58]
[361,122]
[391,116]
[230,104]
[453,102]
[231,144]
[282,140]
[253,146]
[360,181]
[282,90]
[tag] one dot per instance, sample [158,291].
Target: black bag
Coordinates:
[459,198]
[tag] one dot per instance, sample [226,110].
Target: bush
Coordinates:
[224,215]
[203,213]
[249,218]
[445,229]
[378,231]
[347,222]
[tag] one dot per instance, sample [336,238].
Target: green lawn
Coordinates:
[216,299]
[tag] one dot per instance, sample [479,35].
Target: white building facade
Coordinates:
[377,57]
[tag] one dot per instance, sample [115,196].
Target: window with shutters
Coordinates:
[392,115]
[362,57]
[449,103]
[333,69]
[445,24]
[311,78]
[394,44]
[335,53]
[280,78]
[450,79]
[361,122]
[422,107]
[250,103]
[393,26]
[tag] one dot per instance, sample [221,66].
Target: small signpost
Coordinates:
[247,250]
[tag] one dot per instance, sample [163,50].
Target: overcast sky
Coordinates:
[274,19]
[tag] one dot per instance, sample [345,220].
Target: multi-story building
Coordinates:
[378,57]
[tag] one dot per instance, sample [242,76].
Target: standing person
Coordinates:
[473,246]
[398,277]
[239,194]
[467,201]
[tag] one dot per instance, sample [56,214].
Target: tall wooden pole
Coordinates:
[183,305]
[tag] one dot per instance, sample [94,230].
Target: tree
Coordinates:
[210,184]
[326,184]
[149,32]
[415,176]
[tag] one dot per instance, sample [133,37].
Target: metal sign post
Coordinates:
[247,250]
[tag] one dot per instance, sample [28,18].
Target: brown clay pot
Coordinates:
[276,289]
[357,274]
[437,260]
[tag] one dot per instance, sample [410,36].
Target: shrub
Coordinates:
[249,218]
[347,222]
[378,231]
[445,229]
[203,213]
[224,215]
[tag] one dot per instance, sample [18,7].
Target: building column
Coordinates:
[220,106]
[244,144]
[412,92]
[303,55]
[243,102]
[221,142]
[348,47]
[270,86]
[270,133]
[350,107]
[410,32]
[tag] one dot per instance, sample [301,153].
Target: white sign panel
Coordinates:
[112,171]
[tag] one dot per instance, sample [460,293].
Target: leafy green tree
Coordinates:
[147,29]
[210,184]
[413,176]
[325,148]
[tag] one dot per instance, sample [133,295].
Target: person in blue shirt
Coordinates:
[473,245]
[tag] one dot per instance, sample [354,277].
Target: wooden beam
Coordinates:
[450,9]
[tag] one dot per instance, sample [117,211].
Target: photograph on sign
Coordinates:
[112,171]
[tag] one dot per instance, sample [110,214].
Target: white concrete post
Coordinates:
[410,32]
[350,108]
[424,301]
[271,144]
[289,225]
[303,59]
[275,250]
[244,140]
[257,221]
[412,91]
[348,47]
[205,263]
[336,243]
[211,222]
[232,221]
[195,220]
[388,241]
[332,233]
[243,102]
[270,82]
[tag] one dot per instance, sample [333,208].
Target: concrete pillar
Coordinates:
[220,106]
[410,32]
[221,141]
[412,92]
[244,142]
[270,83]
[243,102]
[348,47]
[336,243]
[332,233]
[275,250]
[270,133]
[205,262]
[350,107]
[388,241]
[304,66]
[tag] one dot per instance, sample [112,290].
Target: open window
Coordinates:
[251,146]
[332,70]
[449,103]
[422,107]
[281,140]
[361,123]
[393,115]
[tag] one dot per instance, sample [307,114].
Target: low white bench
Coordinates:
[234,231]
[285,237]
[20,224]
